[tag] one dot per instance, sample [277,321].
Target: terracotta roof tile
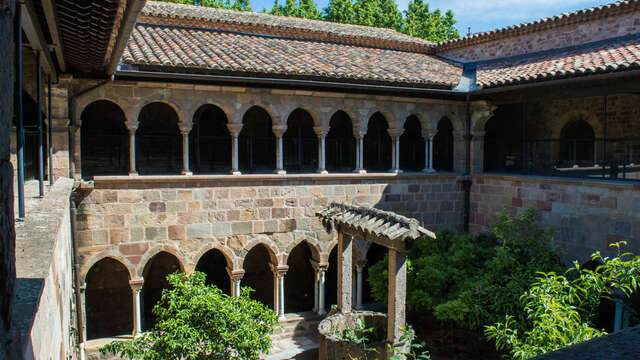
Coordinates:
[214,51]
[602,57]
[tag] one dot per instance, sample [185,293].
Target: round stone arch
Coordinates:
[574,115]
[274,252]
[324,256]
[315,116]
[232,261]
[107,254]
[175,107]
[242,111]
[81,106]
[158,249]
[224,108]
[392,122]
[313,246]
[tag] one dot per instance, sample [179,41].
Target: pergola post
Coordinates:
[397,292]
[345,272]
[136,288]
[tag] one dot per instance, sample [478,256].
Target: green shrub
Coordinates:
[196,321]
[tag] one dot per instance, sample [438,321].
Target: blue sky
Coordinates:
[485,15]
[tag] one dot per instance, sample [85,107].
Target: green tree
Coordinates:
[296,8]
[561,309]
[377,13]
[196,321]
[340,11]
[240,5]
[419,21]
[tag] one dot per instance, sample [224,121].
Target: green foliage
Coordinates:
[296,8]
[377,13]
[470,282]
[560,309]
[415,352]
[239,5]
[340,11]
[196,321]
[419,21]
[358,334]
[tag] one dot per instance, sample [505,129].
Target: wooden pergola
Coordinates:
[387,229]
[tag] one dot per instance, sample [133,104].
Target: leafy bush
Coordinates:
[560,309]
[472,281]
[196,321]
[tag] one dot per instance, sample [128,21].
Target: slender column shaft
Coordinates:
[316,291]
[397,292]
[50,130]
[185,152]
[132,152]
[359,269]
[234,155]
[397,154]
[237,287]
[321,295]
[345,272]
[394,149]
[322,154]
[17,30]
[136,289]
[431,154]
[276,293]
[40,128]
[279,155]
[281,308]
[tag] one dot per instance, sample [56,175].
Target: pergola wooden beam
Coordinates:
[49,7]
[31,27]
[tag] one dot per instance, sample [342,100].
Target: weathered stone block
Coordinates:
[100,237]
[221,228]
[241,227]
[138,248]
[117,236]
[177,232]
[271,226]
[198,230]
[155,233]
[157,207]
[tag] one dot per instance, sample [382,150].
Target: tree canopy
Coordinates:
[418,20]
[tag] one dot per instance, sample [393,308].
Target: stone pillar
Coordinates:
[428,151]
[459,151]
[395,149]
[83,306]
[477,152]
[320,270]
[136,288]
[235,277]
[132,126]
[185,129]
[322,132]
[397,295]
[359,270]
[279,273]
[234,130]
[279,131]
[359,135]
[345,272]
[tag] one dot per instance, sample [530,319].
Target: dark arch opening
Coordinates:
[299,281]
[377,145]
[210,141]
[503,139]
[412,146]
[340,144]
[158,140]
[257,142]
[31,133]
[258,275]
[375,254]
[331,280]
[155,280]
[443,146]
[300,143]
[214,264]
[577,144]
[104,140]
[108,300]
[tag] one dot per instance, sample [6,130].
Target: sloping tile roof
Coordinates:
[602,57]
[258,23]
[624,344]
[162,47]
[575,17]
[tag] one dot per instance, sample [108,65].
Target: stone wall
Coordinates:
[587,215]
[133,218]
[44,291]
[499,45]
[7,230]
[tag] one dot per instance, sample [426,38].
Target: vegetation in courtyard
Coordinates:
[560,309]
[472,281]
[196,321]
[418,20]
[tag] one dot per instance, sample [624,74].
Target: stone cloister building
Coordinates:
[205,139]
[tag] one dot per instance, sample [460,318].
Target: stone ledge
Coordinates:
[629,184]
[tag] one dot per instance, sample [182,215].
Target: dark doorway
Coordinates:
[412,146]
[158,141]
[375,254]
[577,144]
[503,139]
[108,300]
[258,275]
[214,265]
[443,146]
[377,145]
[155,280]
[104,140]
[340,144]
[210,141]
[300,143]
[299,281]
[257,142]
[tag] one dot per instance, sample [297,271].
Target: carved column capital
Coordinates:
[237,274]
[321,131]
[234,129]
[185,127]
[136,284]
[395,133]
[279,130]
[279,270]
[132,126]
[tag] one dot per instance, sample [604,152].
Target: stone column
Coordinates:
[477,152]
[359,281]
[345,272]
[397,295]
[318,303]
[428,151]
[279,131]
[234,130]
[83,296]
[235,277]
[279,273]
[132,126]
[185,129]
[322,132]
[459,151]
[359,135]
[136,288]
[395,149]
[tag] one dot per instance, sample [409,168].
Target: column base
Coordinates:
[323,171]
[235,172]
[281,172]
[133,174]
[396,171]
[322,312]
[187,173]
[427,170]
[360,171]
[282,318]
